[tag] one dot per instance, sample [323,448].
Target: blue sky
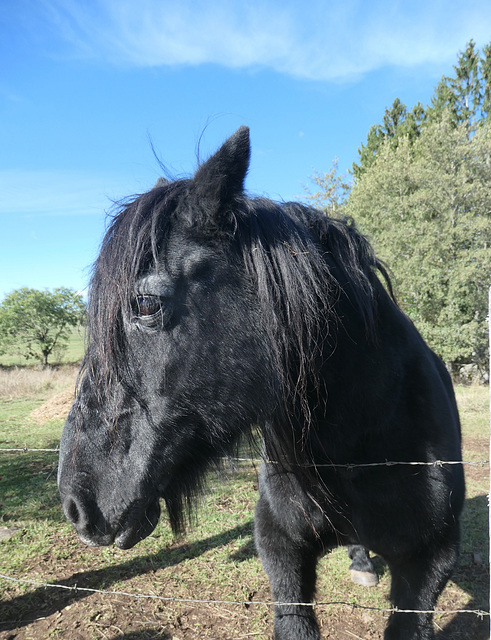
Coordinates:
[85,85]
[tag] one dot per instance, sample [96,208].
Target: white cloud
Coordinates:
[319,40]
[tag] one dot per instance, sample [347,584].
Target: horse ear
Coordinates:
[221,178]
[161,182]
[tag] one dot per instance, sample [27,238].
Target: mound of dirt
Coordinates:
[56,408]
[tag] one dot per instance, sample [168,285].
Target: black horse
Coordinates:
[210,312]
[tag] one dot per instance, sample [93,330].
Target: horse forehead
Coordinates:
[182,256]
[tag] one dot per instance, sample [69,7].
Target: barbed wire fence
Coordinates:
[353,605]
[141,596]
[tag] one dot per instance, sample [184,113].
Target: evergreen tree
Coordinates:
[398,123]
[412,124]
[463,94]
[368,151]
[486,82]
[466,96]
[393,118]
[467,86]
[442,100]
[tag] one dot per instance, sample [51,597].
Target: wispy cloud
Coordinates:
[318,40]
[54,193]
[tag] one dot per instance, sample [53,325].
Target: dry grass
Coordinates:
[21,382]
[473,401]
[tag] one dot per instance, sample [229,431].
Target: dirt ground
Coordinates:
[77,615]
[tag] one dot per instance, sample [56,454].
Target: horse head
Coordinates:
[175,356]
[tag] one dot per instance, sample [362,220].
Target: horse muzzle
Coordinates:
[137,521]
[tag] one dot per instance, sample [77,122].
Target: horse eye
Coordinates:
[147,305]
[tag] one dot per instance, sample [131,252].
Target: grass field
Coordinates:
[215,560]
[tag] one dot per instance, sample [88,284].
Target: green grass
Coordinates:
[13,418]
[214,560]
[75,348]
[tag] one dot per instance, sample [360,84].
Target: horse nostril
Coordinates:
[72,511]
[90,524]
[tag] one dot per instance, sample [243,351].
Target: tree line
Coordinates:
[421,191]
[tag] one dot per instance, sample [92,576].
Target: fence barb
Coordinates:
[354,605]
[349,466]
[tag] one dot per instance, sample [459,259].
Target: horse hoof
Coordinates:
[364,578]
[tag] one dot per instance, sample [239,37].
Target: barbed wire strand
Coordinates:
[387,463]
[478,612]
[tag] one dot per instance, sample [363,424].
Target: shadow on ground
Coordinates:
[13,612]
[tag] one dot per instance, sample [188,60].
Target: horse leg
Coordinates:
[361,569]
[416,586]
[290,565]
